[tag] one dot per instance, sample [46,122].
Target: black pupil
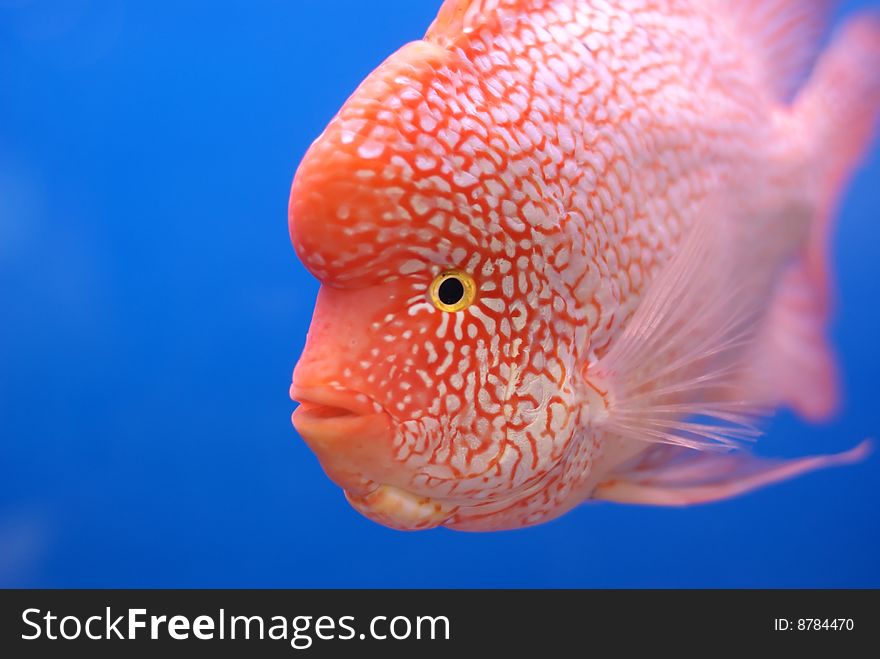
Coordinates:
[451,291]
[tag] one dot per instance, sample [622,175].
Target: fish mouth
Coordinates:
[349,434]
[310,412]
[321,403]
[327,418]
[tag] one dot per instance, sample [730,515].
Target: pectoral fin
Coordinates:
[676,476]
[676,374]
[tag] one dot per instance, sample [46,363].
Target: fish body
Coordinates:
[573,249]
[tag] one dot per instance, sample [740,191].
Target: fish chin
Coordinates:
[349,447]
[355,445]
[402,510]
[353,450]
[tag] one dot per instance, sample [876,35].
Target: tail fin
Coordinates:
[838,109]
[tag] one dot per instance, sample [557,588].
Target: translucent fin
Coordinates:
[679,370]
[785,34]
[799,366]
[838,109]
[675,476]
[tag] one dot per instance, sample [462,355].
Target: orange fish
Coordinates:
[573,250]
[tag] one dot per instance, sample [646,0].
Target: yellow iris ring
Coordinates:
[467,283]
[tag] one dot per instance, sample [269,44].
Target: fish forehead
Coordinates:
[491,142]
[411,170]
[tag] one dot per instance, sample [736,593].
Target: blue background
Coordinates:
[152,309]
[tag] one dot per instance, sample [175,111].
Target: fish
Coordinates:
[578,250]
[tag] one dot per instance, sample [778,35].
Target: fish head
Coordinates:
[436,386]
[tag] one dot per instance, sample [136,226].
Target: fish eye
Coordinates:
[453,290]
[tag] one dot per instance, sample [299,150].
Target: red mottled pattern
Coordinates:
[559,152]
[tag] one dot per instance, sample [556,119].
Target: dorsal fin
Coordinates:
[457,17]
[785,35]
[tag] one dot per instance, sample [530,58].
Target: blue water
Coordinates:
[153,309]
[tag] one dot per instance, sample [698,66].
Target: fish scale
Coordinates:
[561,152]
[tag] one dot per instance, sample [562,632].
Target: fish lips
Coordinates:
[348,445]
